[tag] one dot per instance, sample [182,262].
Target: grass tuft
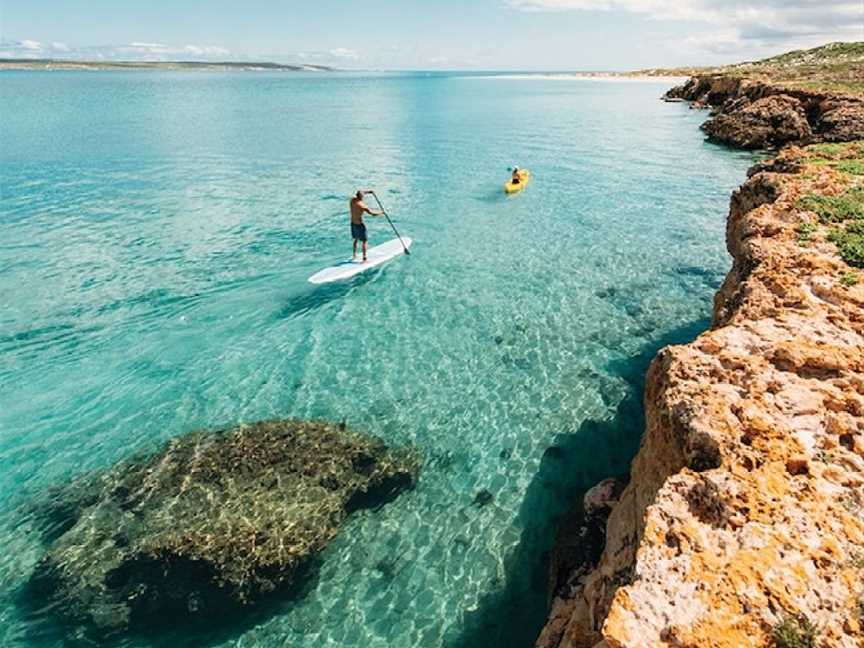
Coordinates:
[848,279]
[795,632]
[833,151]
[854,167]
[835,209]
[805,233]
[850,243]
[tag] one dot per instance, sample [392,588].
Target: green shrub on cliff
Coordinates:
[835,151]
[795,632]
[846,157]
[855,167]
[849,279]
[850,243]
[828,53]
[805,232]
[834,67]
[835,209]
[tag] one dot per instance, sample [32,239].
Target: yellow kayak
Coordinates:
[524,179]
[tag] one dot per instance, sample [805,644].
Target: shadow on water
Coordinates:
[318,296]
[513,616]
[47,626]
[494,196]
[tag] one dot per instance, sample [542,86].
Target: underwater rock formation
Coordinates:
[752,114]
[211,521]
[744,517]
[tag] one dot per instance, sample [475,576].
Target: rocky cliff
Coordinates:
[743,520]
[752,114]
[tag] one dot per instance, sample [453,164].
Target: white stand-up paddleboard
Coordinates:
[375,256]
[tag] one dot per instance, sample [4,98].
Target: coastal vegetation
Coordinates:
[834,67]
[850,243]
[805,232]
[843,209]
[795,632]
[848,279]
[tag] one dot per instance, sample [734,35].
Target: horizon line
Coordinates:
[325,67]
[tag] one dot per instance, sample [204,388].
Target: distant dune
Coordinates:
[67,64]
[835,67]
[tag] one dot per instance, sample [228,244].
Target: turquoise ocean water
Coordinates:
[156,233]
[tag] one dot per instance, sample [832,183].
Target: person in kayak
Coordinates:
[516,179]
[358,227]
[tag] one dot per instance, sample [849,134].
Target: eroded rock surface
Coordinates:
[212,521]
[578,548]
[745,507]
[753,115]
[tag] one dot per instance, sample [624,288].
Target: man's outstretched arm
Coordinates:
[374,212]
[366,209]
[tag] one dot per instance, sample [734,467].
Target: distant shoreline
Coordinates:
[263,66]
[66,64]
[584,76]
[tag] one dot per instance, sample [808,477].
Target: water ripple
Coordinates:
[156,233]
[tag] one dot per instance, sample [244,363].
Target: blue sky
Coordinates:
[389,34]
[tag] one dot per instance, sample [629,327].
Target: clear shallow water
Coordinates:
[155,238]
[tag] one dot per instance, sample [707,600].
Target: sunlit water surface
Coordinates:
[156,233]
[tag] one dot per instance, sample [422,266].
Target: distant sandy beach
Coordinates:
[585,76]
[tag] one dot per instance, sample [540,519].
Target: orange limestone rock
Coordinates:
[744,514]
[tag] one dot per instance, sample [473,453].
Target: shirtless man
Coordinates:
[358,228]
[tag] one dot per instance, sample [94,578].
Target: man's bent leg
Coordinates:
[354,249]
[364,250]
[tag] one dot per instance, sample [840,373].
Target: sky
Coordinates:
[443,34]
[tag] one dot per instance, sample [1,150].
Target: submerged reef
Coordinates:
[212,521]
[743,521]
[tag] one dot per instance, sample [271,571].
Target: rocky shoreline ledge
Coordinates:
[755,115]
[743,520]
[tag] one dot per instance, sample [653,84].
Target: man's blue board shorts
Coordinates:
[358,232]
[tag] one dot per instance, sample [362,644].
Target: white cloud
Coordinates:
[160,51]
[660,7]
[344,53]
[147,50]
[722,43]
[207,51]
[135,51]
[741,23]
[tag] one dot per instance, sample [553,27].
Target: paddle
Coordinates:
[381,207]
